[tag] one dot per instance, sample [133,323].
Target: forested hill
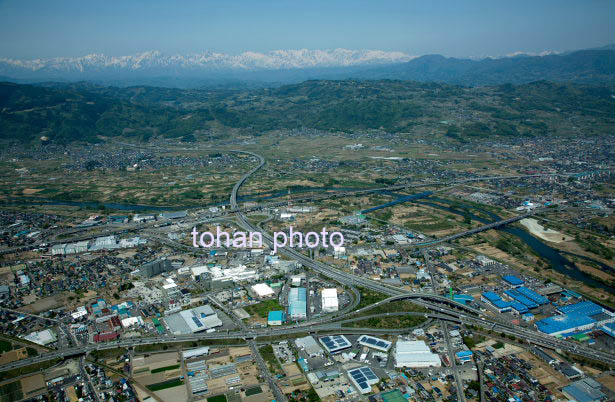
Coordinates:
[595,66]
[86,112]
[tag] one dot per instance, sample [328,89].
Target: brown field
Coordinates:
[13,355]
[40,305]
[33,384]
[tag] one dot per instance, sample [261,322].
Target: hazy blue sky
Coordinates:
[50,28]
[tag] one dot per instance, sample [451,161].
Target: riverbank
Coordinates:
[543,233]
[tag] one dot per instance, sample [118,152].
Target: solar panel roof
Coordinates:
[363,377]
[371,341]
[335,343]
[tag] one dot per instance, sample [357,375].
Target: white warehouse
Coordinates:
[329,300]
[415,354]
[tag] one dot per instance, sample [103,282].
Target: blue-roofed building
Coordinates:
[464,356]
[297,303]
[527,317]
[565,325]
[535,297]
[496,301]
[576,318]
[585,390]
[609,329]
[501,305]
[517,307]
[515,295]
[584,307]
[489,297]
[513,280]
[463,299]
[572,293]
[276,318]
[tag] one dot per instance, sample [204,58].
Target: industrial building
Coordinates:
[415,354]
[309,345]
[174,215]
[262,291]
[132,322]
[329,300]
[527,297]
[575,318]
[297,303]
[198,319]
[216,277]
[335,343]
[43,338]
[513,281]
[193,353]
[494,300]
[585,390]
[363,378]
[276,318]
[374,343]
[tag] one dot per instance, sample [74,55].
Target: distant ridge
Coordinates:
[291,66]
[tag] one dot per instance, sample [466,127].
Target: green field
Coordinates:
[217,398]
[263,308]
[253,391]
[11,392]
[166,368]
[269,357]
[164,385]
[5,346]
[394,322]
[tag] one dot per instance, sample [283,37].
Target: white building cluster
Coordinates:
[100,243]
[240,273]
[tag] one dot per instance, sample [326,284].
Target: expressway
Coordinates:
[433,302]
[442,308]
[244,334]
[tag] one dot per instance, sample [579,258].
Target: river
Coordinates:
[555,257]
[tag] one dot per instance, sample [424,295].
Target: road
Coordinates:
[277,392]
[434,302]
[86,376]
[449,348]
[483,228]
[442,307]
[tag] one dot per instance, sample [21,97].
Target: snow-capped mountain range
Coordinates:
[288,66]
[155,61]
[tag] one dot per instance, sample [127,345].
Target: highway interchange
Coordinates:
[441,308]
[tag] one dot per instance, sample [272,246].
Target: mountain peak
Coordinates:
[156,61]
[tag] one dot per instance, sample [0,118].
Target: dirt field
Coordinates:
[608,381]
[294,380]
[175,394]
[31,385]
[40,305]
[71,394]
[13,355]
[30,191]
